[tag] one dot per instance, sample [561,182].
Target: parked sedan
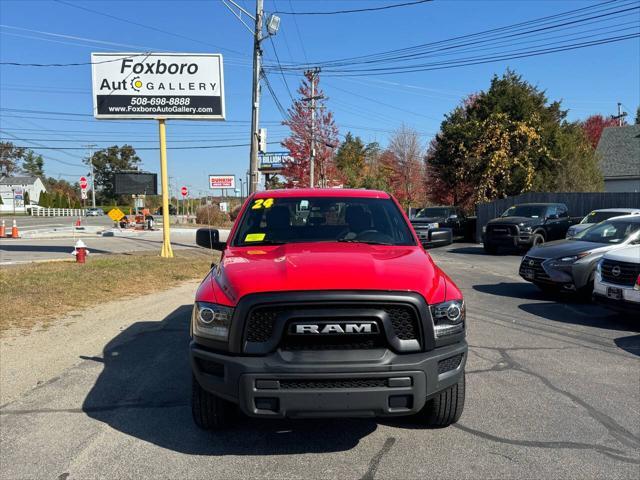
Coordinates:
[570,264]
[617,283]
[598,216]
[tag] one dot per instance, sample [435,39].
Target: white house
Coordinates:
[13,189]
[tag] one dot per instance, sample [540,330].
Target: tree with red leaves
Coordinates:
[594,125]
[402,167]
[296,171]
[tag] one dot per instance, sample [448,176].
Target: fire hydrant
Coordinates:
[80,251]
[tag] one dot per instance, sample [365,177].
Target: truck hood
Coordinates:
[425,220]
[516,221]
[325,266]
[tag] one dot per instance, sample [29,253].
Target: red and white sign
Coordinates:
[222,181]
[184,191]
[83,183]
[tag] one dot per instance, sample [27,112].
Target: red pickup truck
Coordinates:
[324,304]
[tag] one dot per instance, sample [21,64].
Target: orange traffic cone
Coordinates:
[3,229]
[78,224]
[14,230]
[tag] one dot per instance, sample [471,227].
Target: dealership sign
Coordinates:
[222,181]
[158,85]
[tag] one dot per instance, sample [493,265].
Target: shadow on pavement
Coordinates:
[631,344]
[144,391]
[479,250]
[580,314]
[524,291]
[46,248]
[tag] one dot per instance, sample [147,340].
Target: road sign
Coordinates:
[83,194]
[222,181]
[158,85]
[184,191]
[115,214]
[83,183]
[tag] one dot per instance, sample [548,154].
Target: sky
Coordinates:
[588,81]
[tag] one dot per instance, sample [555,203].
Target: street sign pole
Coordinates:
[166,251]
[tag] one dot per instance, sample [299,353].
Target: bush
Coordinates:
[211,215]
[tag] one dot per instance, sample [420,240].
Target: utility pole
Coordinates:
[620,116]
[90,147]
[312,149]
[255,98]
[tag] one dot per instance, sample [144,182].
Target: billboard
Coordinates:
[158,85]
[136,183]
[273,162]
[222,181]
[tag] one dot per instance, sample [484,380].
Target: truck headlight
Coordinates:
[526,228]
[448,317]
[211,321]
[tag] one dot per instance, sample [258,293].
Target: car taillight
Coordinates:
[637,285]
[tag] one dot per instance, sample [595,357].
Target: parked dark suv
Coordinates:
[527,225]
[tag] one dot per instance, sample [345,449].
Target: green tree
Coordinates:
[108,161]
[638,116]
[33,164]
[27,200]
[10,157]
[350,160]
[43,201]
[578,167]
[504,141]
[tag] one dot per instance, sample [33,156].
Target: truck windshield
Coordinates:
[272,221]
[616,231]
[529,211]
[433,212]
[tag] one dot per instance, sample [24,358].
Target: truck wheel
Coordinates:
[490,249]
[209,412]
[445,408]
[537,240]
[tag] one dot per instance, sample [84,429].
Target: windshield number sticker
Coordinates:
[254,237]
[262,203]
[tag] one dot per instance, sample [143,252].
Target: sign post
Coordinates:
[167,251]
[158,86]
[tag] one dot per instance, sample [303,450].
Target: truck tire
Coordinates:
[209,412]
[445,408]
[490,249]
[537,240]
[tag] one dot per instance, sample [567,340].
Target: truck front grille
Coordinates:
[497,230]
[300,384]
[261,327]
[620,273]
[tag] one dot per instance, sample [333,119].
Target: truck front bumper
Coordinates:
[295,384]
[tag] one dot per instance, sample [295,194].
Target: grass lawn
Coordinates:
[36,294]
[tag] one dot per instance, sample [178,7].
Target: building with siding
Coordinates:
[13,189]
[619,149]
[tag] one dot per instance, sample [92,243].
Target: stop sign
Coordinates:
[184,191]
[83,183]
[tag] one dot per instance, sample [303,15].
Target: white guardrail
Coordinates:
[37,211]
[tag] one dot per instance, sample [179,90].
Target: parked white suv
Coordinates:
[598,216]
[617,281]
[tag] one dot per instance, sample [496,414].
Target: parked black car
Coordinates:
[437,226]
[527,225]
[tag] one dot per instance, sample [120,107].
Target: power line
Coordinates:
[148,27]
[295,22]
[284,79]
[357,10]
[191,147]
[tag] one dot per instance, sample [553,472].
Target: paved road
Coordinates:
[552,393]
[26,223]
[25,250]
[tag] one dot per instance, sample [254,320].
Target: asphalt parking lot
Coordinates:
[552,392]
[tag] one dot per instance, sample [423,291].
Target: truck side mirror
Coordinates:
[210,238]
